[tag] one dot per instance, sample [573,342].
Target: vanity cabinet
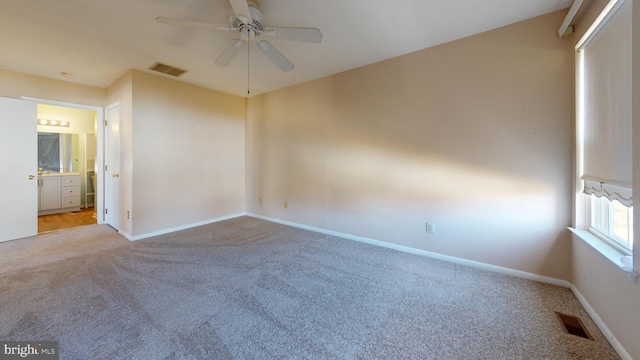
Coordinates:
[49,192]
[58,193]
[70,192]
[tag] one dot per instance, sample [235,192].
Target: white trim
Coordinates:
[607,13]
[567,20]
[124,234]
[610,240]
[99,132]
[112,105]
[62,103]
[622,352]
[432,255]
[179,228]
[607,251]
[579,199]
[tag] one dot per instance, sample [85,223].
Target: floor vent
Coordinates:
[574,326]
[167,69]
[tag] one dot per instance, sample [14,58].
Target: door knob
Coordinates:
[31,177]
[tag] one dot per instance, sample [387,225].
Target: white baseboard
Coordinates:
[125,235]
[410,250]
[178,228]
[622,352]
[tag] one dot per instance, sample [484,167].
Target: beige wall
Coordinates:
[188,154]
[182,146]
[474,135]
[15,85]
[81,121]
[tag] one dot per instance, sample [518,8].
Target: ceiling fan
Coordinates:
[248,20]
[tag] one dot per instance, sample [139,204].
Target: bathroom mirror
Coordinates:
[57,152]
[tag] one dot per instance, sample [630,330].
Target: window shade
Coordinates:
[607,105]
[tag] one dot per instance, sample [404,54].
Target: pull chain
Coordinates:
[248,69]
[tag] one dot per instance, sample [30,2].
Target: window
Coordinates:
[604,126]
[612,222]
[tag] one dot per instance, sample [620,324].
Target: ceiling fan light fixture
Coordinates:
[247,34]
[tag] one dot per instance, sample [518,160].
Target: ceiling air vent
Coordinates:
[167,69]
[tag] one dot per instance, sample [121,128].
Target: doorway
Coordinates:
[93,144]
[21,192]
[66,167]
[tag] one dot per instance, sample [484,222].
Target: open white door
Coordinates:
[112,167]
[19,164]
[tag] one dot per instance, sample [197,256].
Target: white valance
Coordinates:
[612,190]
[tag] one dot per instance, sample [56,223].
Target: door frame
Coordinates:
[113,218]
[99,160]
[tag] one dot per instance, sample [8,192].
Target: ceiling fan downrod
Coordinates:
[248,72]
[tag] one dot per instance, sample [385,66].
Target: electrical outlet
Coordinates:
[431,228]
[286,204]
[260,201]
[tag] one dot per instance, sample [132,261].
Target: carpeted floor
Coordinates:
[250,289]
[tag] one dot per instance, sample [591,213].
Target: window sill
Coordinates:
[614,256]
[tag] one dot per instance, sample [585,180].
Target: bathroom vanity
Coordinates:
[58,193]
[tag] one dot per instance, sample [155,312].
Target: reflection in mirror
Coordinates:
[56,152]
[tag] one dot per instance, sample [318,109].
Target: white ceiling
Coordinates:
[98,41]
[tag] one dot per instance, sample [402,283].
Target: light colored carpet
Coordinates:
[250,289]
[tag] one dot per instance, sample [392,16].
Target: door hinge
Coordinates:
[105,168]
[106,211]
[105,122]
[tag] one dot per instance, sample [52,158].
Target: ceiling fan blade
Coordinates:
[230,52]
[193,24]
[241,9]
[275,56]
[311,35]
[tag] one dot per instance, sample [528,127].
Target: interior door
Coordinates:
[19,163]
[112,167]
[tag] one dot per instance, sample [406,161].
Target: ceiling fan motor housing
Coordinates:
[257,17]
